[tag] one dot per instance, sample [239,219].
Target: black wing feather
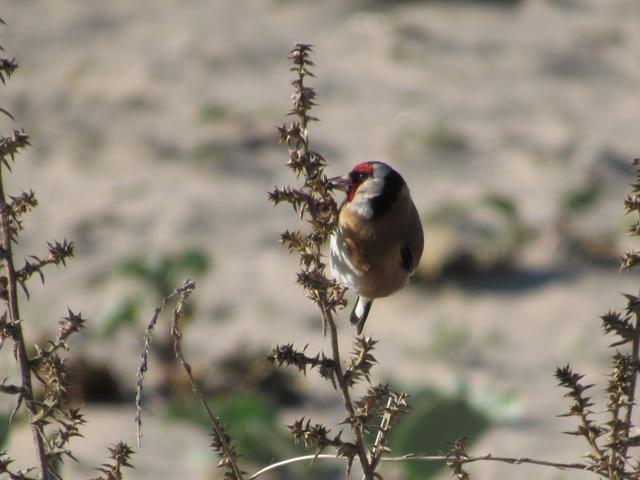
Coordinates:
[406,258]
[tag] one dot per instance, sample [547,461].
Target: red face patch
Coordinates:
[365,167]
[359,174]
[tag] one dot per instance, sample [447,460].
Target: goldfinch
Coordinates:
[379,239]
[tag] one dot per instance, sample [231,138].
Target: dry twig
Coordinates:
[314,200]
[221,442]
[412,457]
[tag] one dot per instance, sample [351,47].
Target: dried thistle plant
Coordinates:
[53,421]
[612,440]
[315,204]
[119,456]
[221,442]
[609,442]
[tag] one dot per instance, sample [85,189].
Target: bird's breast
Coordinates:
[375,257]
[365,265]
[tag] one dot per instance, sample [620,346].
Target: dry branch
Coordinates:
[221,442]
[411,457]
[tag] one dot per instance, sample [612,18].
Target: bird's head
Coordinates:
[371,188]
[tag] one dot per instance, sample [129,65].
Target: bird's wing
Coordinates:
[357,254]
[411,250]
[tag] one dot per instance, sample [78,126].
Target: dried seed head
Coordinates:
[70,324]
[11,146]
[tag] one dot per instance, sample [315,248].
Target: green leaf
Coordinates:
[582,198]
[211,113]
[436,421]
[250,419]
[502,204]
[161,272]
[123,312]
[193,261]
[4,429]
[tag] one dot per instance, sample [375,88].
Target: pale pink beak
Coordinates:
[341,183]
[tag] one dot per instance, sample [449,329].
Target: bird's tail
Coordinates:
[360,312]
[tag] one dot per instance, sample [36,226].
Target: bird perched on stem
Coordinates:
[379,240]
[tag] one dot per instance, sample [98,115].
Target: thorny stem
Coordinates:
[18,337]
[411,457]
[378,445]
[144,357]
[346,396]
[614,460]
[182,295]
[635,355]
[591,438]
[177,348]
[297,141]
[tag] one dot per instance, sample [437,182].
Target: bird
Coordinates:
[379,238]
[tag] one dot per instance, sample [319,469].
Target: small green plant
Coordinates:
[436,420]
[445,139]
[4,429]
[250,418]
[211,113]
[451,340]
[212,152]
[155,274]
[581,199]
[596,244]
[479,236]
[442,144]
[159,272]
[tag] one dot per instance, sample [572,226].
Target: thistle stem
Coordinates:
[18,337]
[411,457]
[635,353]
[346,397]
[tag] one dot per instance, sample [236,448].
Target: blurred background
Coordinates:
[154,144]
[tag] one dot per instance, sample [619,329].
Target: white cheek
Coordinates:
[361,203]
[363,208]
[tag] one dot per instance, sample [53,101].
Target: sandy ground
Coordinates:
[153,129]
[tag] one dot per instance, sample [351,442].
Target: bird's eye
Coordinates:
[359,176]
